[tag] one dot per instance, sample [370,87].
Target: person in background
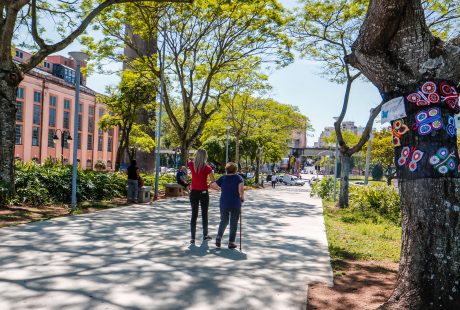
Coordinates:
[232,195]
[274,180]
[199,194]
[181,178]
[133,181]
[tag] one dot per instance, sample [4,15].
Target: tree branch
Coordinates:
[48,49]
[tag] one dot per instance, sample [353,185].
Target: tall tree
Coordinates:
[399,54]
[134,95]
[207,44]
[22,20]
[325,31]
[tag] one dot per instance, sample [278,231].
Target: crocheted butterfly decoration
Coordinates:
[449,95]
[443,161]
[425,96]
[399,129]
[428,120]
[451,128]
[410,157]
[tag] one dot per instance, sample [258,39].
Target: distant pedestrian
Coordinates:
[181,178]
[199,191]
[231,197]
[133,181]
[274,180]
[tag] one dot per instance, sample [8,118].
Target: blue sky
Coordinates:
[299,84]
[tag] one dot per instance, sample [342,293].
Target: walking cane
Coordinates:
[241,219]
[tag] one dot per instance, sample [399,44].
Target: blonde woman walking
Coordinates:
[199,191]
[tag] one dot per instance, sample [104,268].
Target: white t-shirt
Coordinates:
[273,178]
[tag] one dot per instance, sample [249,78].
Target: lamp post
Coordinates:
[79,57]
[226,144]
[368,158]
[160,112]
[65,136]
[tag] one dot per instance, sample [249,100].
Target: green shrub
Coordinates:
[323,188]
[52,183]
[377,203]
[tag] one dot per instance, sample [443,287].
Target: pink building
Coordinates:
[45,108]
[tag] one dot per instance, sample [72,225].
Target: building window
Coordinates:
[80,108]
[53,101]
[79,141]
[37,96]
[66,119]
[79,122]
[18,134]
[36,118]
[89,164]
[66,143]
[90,124]
[101,112]
[91,110]
[20,93]
[52,117]
[109,144]
[89,145]
[35,136]
[66,104]
[109,164]
[100,142]
[19,111]
[111,132]
[46,64]
[51,134]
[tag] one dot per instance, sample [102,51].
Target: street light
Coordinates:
[65,136]
[78,57]
[226,144]
[160,112]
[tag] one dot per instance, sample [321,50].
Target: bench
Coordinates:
[174,190]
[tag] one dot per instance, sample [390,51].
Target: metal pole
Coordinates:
[368,158]
[75,134]
[336,166]
[62,147]
[226,149]
[158,129]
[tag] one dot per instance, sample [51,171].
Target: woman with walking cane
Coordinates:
[232,195]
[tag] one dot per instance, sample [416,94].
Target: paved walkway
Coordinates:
[139,258]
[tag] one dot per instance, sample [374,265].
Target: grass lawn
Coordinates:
[360,240]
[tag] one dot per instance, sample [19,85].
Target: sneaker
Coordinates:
[232,245]
[192,241]
[218,242]
[207,237]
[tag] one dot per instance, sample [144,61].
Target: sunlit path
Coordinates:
[139,258]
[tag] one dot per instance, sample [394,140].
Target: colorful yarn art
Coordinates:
[449,95]
[428,120]
[398,129]
[425,96]
[410,157]
[451,128]
[443,161]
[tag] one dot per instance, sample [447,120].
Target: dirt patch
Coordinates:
[362,285]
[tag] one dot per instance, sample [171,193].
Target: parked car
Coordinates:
[292,180]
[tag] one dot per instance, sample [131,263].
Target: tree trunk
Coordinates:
[256,174]
[345,168]
[237,150]
[398,53]
[10,77]
[184,153]
[429,265]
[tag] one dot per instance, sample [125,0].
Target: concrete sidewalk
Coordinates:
[139,258]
